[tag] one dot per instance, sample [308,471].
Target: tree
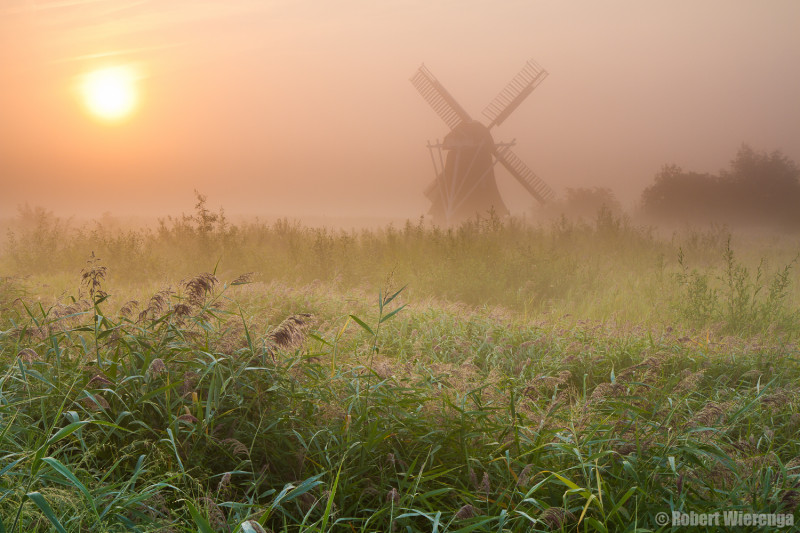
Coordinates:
[758,189]
[764,187]
[677,194]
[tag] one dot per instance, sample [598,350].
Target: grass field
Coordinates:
[495,377]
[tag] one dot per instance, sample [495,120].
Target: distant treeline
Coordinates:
[759,188]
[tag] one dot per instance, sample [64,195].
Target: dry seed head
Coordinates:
[157,506]
[776,399]
[690,381]
[395,461]
[607,390]
[245,278]
[291,332]
[711,413]
[98,403]
[156,368]
[625,448]
[383,370]
[306,501]
[128,308]
[92,276]
[157,304]
[224,484]
[473,479]
[466,511]
[29,355]
[486,486]
[544,385]
[649,366]
[198,287]
[188,417]
[190,378]
[99,381]
[258,528]
[793,463]
[215,515]
[652,362]
[525,475]
[393,496]
[300,457]
[751,374]
[555,518]
[371,491]
[236,447]
[181,310]
[790,499]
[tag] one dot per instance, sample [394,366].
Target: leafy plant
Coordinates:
[742,301]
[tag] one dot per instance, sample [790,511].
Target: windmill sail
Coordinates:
[515,92]
[532,183]
[439,99]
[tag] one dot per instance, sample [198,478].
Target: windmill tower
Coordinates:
[465,182]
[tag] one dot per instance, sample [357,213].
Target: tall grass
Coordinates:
[607,270]
[192,413]
[157,389]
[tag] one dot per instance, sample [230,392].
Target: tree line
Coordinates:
[758,189]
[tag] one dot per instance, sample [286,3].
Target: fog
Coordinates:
[304,109]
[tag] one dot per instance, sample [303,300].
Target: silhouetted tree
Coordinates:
[765,187]
[759,188]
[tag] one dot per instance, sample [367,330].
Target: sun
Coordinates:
[110,93]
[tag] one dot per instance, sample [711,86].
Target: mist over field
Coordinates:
[302,109]
[458,267]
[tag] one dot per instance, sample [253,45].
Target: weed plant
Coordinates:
[737,300]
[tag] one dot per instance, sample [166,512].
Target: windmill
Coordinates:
[465,182]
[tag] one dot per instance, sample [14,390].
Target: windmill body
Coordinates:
[464,162]
[466,184]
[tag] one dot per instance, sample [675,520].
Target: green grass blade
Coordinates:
[42,504]
[202,524]
[67,430]
[363,325]
[59,467]
[171,439]
[390,315]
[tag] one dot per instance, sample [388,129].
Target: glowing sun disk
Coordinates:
[110,93]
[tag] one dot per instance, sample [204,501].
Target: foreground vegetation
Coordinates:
[574,377]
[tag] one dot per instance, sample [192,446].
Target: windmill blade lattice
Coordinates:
[534,185]
[439,99]
[515,92]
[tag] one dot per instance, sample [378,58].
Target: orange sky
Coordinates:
[299,108]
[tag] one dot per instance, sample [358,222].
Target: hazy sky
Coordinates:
[304,107]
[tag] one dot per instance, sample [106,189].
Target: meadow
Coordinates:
[499,376]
